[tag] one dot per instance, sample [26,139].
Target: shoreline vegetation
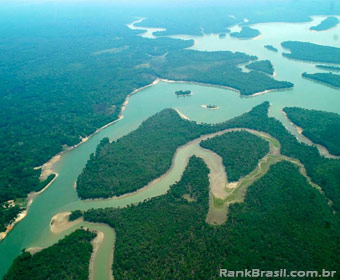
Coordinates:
[23,213]
[255,119]
[320,127]
[306,51]
[40,127]
[322,150]
[48,166]
[329,79]
[228,88]
[328,68]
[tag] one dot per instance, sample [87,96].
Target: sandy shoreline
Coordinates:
[47,168]
[60,222]
[96,243]
[181,114]
[226,87]
[30,198]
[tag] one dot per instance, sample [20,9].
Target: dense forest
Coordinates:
[240,152]
[264,66]
[311,52]
[320,127]
[167,237]
[189,66]
[326,24]
[322,171]
[246,33]
[134,160]
[75,215]
[60,82]
[179,19]
[67,259]
[328,67]
[271,48]
[325,78]
[7,215]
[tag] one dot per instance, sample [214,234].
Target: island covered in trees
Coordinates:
[311,52]
[271,48]
[320,127]
[246,33]
[183,92]
[325,78]
[326,24]
[264,66]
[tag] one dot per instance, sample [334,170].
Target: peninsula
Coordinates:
[325,78]
[326,24]
[246,33]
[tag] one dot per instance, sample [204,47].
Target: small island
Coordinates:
[246,33]
[271,48]
[325,78]
[183,92]
[328,68]
[210,107]
[326,24]
[222,35]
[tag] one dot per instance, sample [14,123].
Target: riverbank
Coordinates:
[96,243]
[47,168]
[226,87]
[184,117]
[29,200]
[322,150]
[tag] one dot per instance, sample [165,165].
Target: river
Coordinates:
[61,196]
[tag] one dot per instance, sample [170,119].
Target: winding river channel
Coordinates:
[34,230]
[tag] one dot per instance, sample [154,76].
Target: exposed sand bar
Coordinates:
[60,222]
[103,243]
[182,115]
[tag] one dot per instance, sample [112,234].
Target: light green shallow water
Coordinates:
[34,231]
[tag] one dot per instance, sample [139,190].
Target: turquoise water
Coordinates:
[34,231]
